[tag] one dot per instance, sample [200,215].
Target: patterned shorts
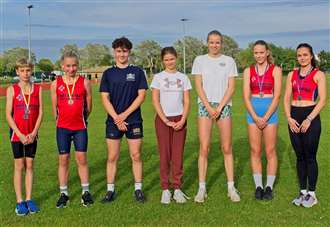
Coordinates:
[225,112]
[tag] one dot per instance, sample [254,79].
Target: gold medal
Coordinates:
[70,101]
[27,103]
[70,93]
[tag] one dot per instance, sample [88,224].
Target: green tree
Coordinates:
[95,55]
[70,47]
[12,55]
[324,60]
[45,65]
[193,46]
[230,47]
[147,55]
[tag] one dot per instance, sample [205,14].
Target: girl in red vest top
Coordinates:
[305,97]
[261,91]
[24,115]
[72,104]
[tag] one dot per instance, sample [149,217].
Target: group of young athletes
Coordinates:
[123,89]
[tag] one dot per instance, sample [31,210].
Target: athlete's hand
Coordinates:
[170,123]
[294,125]
[260,122]
[178,125]
[31,137]
[305,125]
[23,138]
[119,119]
[122,126]
[218,110]
[212,112]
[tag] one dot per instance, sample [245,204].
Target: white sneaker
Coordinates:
[233,195]
[201,196]
[179,196]
[166,197]
[309,201]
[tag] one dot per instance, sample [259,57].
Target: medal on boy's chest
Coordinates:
[26,103]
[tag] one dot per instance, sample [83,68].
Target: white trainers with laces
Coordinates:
[201,196]
[166,197]
[179,196]
[233,194]
[309,201]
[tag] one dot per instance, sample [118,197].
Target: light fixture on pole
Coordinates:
[29,25]
[183,43]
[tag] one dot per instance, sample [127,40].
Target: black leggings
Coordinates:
[305,145]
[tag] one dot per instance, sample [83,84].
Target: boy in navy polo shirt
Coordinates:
[123,89]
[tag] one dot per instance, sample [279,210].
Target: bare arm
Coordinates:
[54,98]
[107,105]
[89,104]
[293,124]
[247,94]
[186,106]
[9,117]
[34,133]
[156,103]
[202,96]
[277,74]
[228,94]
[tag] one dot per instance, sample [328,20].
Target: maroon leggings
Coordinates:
[171,147]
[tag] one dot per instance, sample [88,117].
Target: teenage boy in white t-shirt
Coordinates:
[214,78]
[170,96]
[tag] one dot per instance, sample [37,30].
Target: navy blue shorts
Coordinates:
[64,138]
[22,151]
[134,131]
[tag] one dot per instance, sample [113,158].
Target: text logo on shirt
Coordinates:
[130,77]
[169,83]
[222,64]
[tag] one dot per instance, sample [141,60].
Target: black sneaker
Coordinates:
[259,193]
[139,196]
[86,199]
[62,201]
[268,194]
[110,196]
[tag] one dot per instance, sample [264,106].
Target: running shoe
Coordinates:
[309,201]
[62,201]
[139,196]
[268,194]
[32,206]
[233,194]
[179,196]
[86,199]
[21,209]
[201,196]
[298,201]
[259,193]
[166,197]
[109,197]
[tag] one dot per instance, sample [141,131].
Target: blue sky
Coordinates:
[59,22]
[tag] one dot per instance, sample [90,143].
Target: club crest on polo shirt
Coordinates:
[61,88]
[19,97]
[130,77]
[222,64]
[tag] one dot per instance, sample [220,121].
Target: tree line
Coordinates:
[147,55]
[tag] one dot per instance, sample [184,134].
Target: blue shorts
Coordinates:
[260,106]
[64,138]
[134,131]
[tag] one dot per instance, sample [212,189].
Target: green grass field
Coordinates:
[218,210]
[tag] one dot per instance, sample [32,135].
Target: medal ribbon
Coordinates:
[70,93]
[26,102]
[261,83]
[300,84]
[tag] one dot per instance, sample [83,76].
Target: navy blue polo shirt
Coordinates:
[123,84]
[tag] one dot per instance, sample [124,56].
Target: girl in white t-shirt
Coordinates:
[170,97]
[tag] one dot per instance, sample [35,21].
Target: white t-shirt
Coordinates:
[215,75]
[171,87]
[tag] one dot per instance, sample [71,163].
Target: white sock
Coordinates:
[230,185]
[111,187]
[85,188]
[257,177]
[64,189]
[270,181]
[138,186]
[202,185]
[312,193]
[303,191]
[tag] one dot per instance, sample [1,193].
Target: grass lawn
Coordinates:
[218,210]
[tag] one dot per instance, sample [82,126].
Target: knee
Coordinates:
[255,152]
[270,152]
[19,166]
[81,161]
[112,159]
[203,151]
[226,149]
[63,161]
[29,166]
[136,157]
